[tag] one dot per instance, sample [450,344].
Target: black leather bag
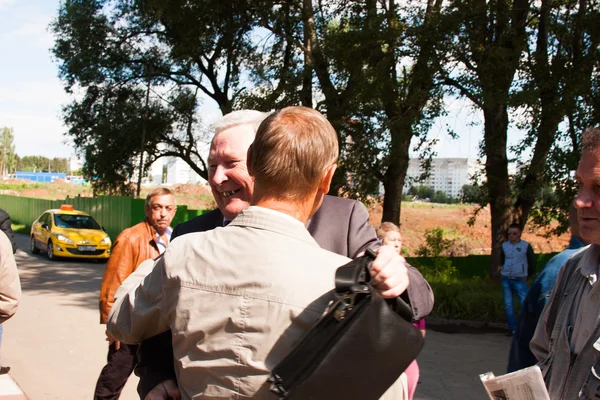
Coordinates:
[357,350]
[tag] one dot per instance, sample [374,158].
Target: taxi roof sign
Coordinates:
[67,207]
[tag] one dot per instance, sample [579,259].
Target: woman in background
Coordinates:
[389,234]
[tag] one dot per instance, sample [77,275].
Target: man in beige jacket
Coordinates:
[10,286]
[238,298]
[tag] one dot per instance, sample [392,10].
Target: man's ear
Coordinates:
[326,179]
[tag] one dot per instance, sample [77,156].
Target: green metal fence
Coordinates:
[113,213]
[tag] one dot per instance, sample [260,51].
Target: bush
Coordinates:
[475,299]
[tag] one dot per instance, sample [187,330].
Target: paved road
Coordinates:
[55,345]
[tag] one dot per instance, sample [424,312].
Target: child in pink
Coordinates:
[389,234]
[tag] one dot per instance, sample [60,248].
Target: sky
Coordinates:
[32,95]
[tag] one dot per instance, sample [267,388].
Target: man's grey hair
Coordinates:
[590,140]
[159,191]
[241,117]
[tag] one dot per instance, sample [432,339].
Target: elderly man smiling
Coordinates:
[229,294]
[339,225]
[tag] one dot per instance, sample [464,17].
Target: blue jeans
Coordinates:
[510,286]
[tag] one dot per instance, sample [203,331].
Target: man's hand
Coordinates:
[111,339]
[164,391]
[389,275]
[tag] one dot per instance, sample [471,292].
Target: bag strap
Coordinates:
[354,278]
[355,274]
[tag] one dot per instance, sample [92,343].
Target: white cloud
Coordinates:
[4,4]
[34,31]
[38,135]
[32,109]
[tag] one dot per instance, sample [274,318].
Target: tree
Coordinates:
[112,51]
[42,164]
[7,151]
[487,48]
[376,64]
[304,58]
[560,68]
[474,193]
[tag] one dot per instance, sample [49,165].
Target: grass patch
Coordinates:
[19,186]
[474,265]
[422,204]
[474,299]
[21,228]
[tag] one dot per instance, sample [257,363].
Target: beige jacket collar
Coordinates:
[275,221]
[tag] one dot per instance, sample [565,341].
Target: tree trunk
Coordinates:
[496,167]
[307,73]
[393,180]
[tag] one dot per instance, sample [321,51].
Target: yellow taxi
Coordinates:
[69,233]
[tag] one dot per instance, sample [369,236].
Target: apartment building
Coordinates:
[446,174]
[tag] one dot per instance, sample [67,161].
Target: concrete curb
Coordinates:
[9,390]
[461,326]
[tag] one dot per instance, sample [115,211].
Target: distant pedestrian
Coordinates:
[5,226]
[10,286]
[520,354]
[518,263]
[389,234]
[146,240]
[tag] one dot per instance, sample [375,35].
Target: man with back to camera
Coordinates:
[340,225]
[6,227]
[518,263]
[520,354]
[236,311]
[141,242]
[10,285]
[566,340]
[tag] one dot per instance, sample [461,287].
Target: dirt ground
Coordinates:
[415,220]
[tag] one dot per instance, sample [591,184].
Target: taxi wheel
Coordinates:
[33,247]
[50,252]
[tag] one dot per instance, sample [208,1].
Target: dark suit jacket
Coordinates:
[340,225]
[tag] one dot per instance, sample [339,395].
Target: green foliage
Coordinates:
[427,193]
[21,228]
[19,186]
[42,164]
[474,193]
[477,299]
[7,151]
[436,243]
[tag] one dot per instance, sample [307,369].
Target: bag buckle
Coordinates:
[347,302]
[343,306]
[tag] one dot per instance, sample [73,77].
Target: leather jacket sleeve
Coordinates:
[120,265]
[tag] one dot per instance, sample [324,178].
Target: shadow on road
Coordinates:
[66,276]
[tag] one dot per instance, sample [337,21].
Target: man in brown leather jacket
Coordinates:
[143,241]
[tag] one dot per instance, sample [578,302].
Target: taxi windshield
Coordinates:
[75,221]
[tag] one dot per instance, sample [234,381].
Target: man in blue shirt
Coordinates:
[518,263]
[520,355]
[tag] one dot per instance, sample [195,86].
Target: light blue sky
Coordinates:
[31,95]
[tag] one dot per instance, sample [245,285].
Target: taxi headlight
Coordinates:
[106,240]
[62,238]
